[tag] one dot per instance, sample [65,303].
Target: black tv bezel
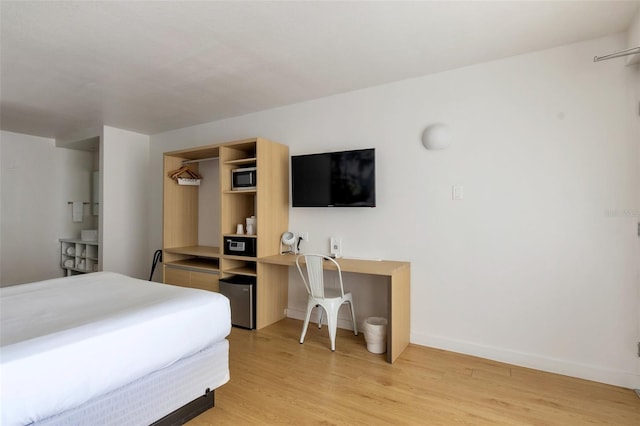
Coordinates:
[315,205]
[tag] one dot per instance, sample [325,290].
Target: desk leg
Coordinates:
[399,299]
[272,294]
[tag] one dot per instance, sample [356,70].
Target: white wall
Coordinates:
[537,265]
[38,180]
[633,33]
[633,40]
[124,206]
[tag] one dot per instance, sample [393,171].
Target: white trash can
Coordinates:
[375,334]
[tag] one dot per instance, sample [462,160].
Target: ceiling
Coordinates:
[150,67]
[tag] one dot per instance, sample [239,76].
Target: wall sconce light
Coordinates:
[436,136]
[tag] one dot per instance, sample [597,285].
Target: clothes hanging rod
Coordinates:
[200,160]
[626,52]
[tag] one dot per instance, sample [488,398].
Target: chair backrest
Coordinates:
[314,279]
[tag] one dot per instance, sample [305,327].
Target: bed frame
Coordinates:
[164,397]
[189,411]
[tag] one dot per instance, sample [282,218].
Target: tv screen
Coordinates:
[334,179]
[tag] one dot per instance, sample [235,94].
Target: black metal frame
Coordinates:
[189,410]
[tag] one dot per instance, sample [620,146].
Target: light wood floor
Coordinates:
[276,380]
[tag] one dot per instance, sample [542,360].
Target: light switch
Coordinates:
[457,192]
[336,246]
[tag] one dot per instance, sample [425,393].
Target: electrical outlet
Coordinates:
[336,246]
[304,236]
[457,192]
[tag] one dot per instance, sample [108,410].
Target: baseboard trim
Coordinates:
[537,362]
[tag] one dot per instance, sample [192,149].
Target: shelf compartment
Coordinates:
[92,252]
[91,265]
[243,270]
[200,251]
[65,258]
[239,265]
[196,263]
[242,161]
[244,258]
[241,152]
[239,206]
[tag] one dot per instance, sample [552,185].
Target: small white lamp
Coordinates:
[288,240]
[436,136]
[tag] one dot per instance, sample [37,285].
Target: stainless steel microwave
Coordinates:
[243,179]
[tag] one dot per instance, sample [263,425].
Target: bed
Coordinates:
[103,348]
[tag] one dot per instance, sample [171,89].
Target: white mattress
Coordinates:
[68,340]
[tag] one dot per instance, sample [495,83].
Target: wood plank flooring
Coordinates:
[277,381]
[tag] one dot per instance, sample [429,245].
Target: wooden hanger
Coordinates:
[184,171]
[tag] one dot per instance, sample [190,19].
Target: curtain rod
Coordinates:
[619,54]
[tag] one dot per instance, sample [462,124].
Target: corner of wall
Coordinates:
[124,162]
[633,33]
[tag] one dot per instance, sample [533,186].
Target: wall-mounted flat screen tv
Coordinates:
[334,179]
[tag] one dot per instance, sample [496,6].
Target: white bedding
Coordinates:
[67,340]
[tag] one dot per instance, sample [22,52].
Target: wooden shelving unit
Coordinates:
[186,262]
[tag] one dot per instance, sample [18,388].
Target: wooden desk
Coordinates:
[398,292]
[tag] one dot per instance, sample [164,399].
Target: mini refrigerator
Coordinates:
[241,292]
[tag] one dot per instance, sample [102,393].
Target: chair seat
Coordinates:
[332,293]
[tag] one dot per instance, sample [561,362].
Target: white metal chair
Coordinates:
[329,299]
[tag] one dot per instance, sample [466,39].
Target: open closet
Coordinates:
[202,211]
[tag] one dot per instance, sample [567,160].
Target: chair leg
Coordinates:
[332,322]
[306,321]
[320,312]
[353,317]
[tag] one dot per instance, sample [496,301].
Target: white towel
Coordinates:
[77,211]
